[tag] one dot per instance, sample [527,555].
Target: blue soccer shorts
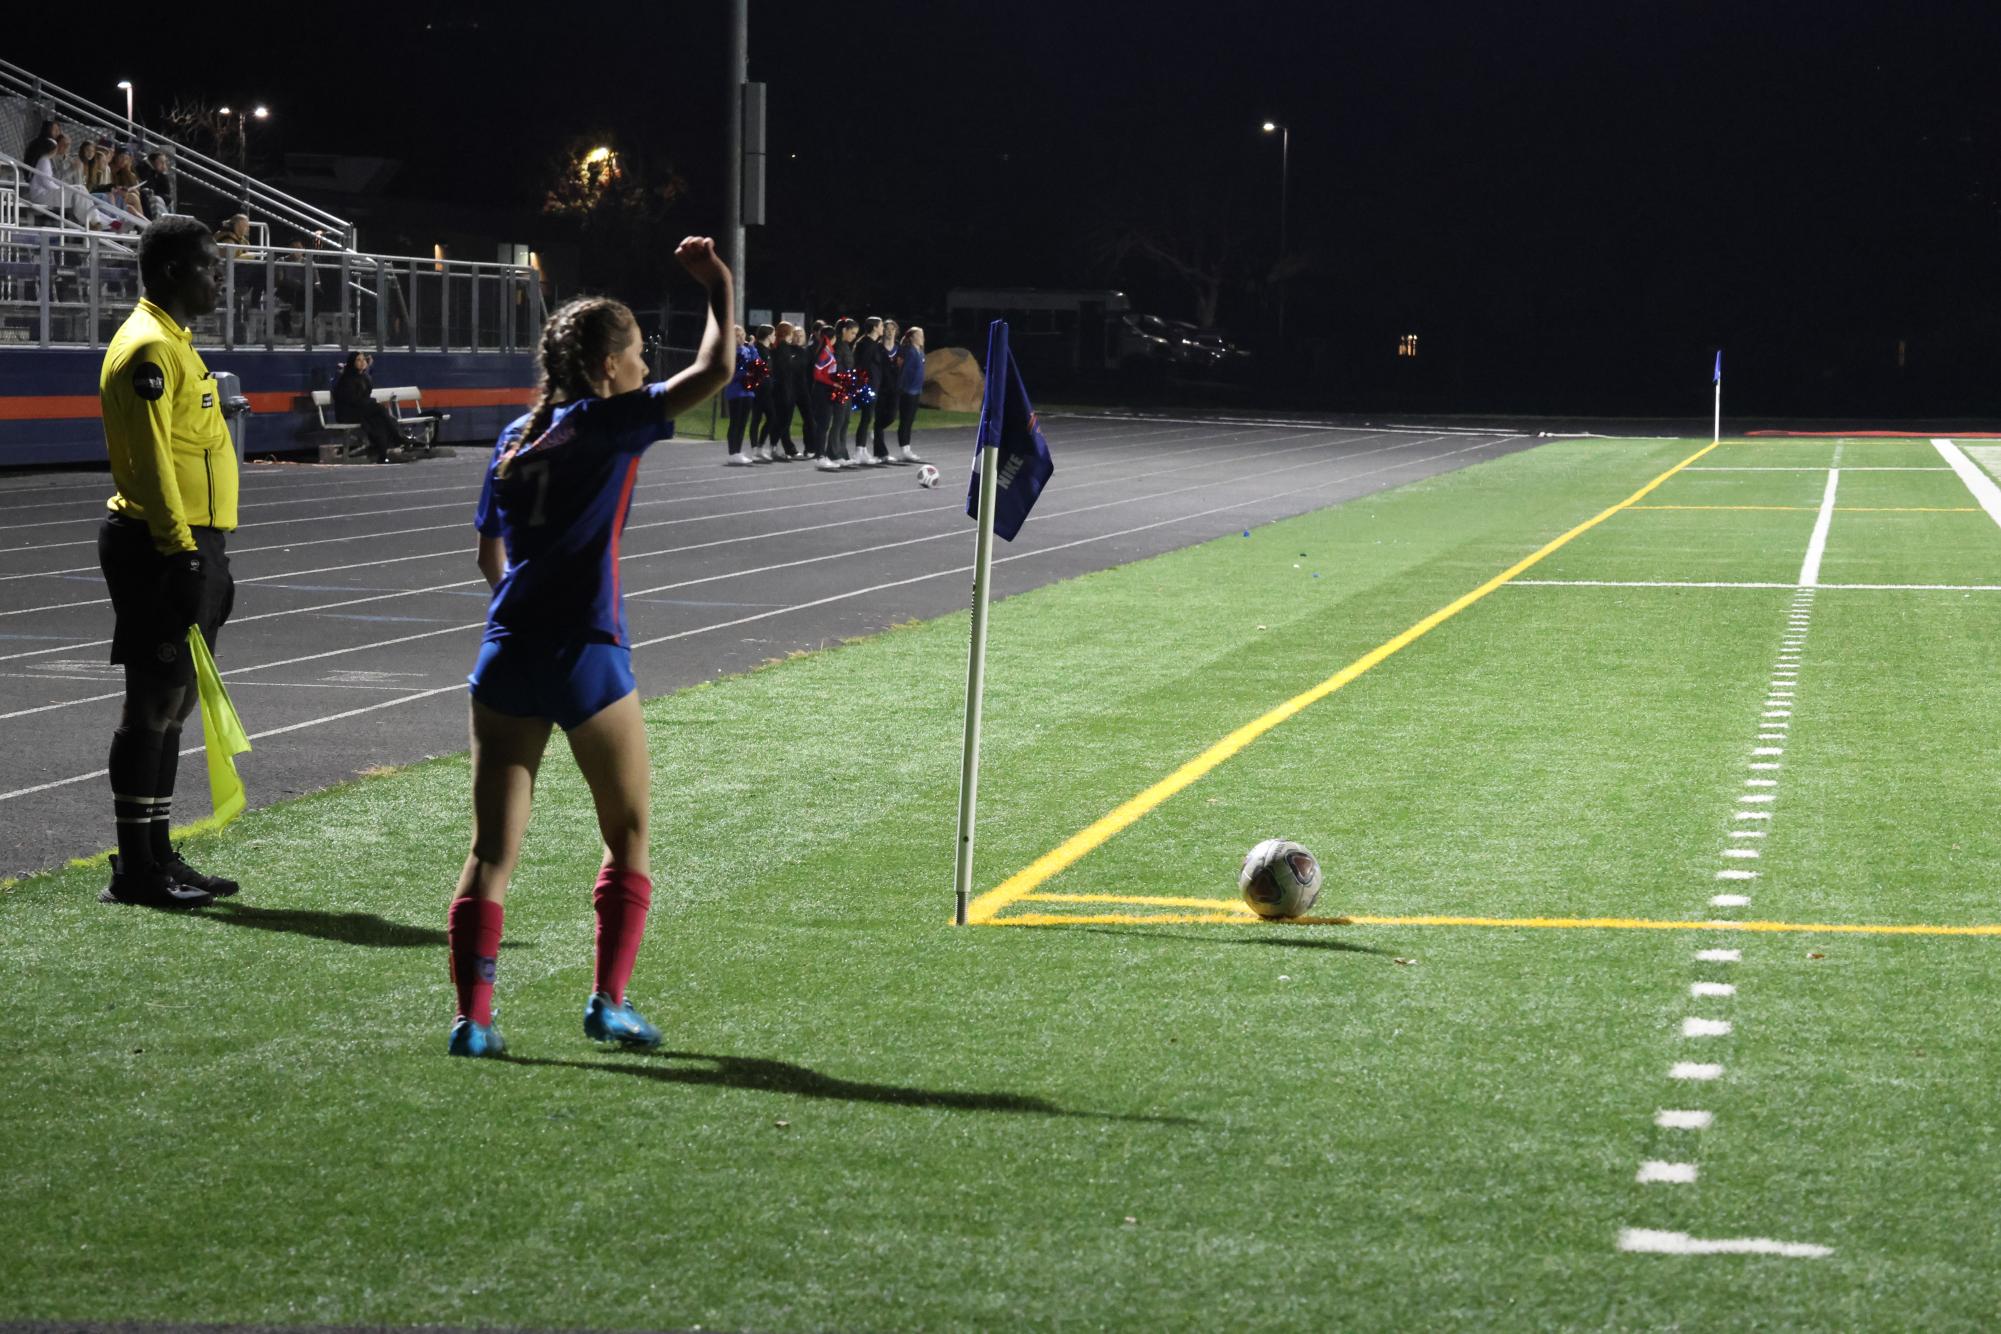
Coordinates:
[567,681]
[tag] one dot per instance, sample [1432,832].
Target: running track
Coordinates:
[358,605]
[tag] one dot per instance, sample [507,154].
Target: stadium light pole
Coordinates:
[739,75]
[131,132]
[1284,133]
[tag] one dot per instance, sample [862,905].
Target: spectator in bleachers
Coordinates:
[156,187]
[292,285]
[85,169]
[125,195]
[354,401]
[46,191]
[63,164]
[156,173]
[232,239]
[92,167]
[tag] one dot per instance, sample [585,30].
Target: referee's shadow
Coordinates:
[769,1076]
[347,928]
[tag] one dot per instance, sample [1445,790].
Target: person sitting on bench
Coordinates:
[354,401]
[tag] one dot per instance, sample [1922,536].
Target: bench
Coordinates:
[407,402]
[340,442]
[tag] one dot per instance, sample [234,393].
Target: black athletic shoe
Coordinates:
[188,876]
[153,889]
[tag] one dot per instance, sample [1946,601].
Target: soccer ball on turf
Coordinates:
[927,476]
[1280,879]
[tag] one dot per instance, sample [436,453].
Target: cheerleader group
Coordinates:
[865,376]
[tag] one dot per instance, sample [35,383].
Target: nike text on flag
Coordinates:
[1008,423]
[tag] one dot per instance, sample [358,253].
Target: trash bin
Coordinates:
[235,407]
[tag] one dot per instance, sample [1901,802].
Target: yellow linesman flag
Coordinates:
[222,733]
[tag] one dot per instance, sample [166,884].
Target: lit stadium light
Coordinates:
[260,113]
[1270,126]
[222,111]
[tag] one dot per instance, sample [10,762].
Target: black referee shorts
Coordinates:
[144,635]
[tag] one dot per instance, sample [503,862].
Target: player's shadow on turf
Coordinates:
[1278,937]
[349,928]
[767,1076]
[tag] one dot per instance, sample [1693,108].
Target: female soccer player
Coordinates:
[555,653]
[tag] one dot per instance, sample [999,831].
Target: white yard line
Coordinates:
[1654,1172]
[1647,1241]
[1684,1120]
[1816,546]
[1977,481]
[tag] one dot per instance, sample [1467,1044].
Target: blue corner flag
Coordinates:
[1007,422]
[1719,365]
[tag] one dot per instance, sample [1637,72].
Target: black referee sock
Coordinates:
[163,793]
[135,773]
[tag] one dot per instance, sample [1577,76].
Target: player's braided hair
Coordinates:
[578,337]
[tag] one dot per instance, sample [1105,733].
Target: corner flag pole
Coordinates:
[1716,432]
[976,657]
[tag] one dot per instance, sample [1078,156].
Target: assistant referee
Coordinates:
[161,548]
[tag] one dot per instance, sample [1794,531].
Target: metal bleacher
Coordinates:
[298,283]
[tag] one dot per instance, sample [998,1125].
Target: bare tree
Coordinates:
[624,203]
[1196,241]
[206,130]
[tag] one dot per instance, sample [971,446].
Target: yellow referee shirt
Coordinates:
[171,455]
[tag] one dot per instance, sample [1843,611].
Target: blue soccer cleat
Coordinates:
[618,1023]
[470,1039]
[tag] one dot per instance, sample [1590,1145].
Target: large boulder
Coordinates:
[952,381]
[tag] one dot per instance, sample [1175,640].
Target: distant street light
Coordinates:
[130,133]
[243,119]
[1284,132]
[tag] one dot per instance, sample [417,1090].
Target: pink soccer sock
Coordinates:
[472,936]
[621,899]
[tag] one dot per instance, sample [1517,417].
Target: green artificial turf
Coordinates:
[868,1119]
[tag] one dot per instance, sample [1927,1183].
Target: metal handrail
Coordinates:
[362,279]
[207,171]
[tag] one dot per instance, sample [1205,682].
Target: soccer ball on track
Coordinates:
[1280,879]
[927,476]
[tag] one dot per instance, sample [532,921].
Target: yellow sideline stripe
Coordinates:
[1838,509]
[1105,826]
[1231,913]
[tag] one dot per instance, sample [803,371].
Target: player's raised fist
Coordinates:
[697,254]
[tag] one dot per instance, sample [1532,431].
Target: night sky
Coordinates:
[1573,203]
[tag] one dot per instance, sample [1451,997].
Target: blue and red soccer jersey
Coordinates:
[561,512]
